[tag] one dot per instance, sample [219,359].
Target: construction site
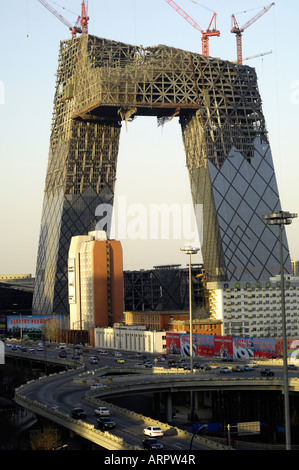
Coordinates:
[102,84]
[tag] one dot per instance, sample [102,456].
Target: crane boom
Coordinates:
[256,17]
[205,34]
[257,55]
[184,15]
[238,31]
[74,29]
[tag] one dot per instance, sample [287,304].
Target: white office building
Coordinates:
[253,309]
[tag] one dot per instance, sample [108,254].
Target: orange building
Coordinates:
[172,321]
[95,270]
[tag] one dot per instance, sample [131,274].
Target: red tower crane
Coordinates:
[76,28]
[238,31]
[84,16]
[205,34]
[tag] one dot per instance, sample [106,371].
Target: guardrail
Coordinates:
[110,441]
[85,430]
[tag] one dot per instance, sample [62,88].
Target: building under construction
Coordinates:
[101,83]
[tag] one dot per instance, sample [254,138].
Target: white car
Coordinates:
[101,351]
[153,431]
[102,411]
[225,370]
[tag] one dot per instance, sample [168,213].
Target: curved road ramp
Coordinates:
[31,397]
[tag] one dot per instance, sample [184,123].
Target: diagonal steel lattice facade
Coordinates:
[101,83]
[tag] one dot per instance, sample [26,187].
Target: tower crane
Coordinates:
[83,19]
[205,34]
[238,31]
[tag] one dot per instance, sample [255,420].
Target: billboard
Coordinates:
[185,345]
[264,347]
[173,343]
[223,346]
[205,345]
[243,348]
[32,325]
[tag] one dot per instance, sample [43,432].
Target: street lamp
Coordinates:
[190,250]
[199,430]
[281,218]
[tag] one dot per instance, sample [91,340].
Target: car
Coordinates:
[62,354]
[78,413]
[292,367]
[238,369]
[152,444]
[148,365]
[94,360]
[172,363]
[102,411]
[267,372]
[161,359]
[105,424]
[247,369]
[102,351]
[117,354]
[253,364]
[225,370]
[76,357]
[153,431]
[31,350]
[120,361]
[96,386]
[227,359]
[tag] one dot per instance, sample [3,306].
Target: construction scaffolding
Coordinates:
[101,83]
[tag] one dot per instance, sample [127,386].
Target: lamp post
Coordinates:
[199,430]
[281,218]
[190,250]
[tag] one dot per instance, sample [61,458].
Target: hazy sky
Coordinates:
[151,163]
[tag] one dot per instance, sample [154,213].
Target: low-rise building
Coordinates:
[136,339]
[174,320]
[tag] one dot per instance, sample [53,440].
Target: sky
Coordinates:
[151,167]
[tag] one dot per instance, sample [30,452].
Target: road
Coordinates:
[110,360]
[64,394]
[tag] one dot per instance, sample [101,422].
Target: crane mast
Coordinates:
[238,31]
[84,16]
